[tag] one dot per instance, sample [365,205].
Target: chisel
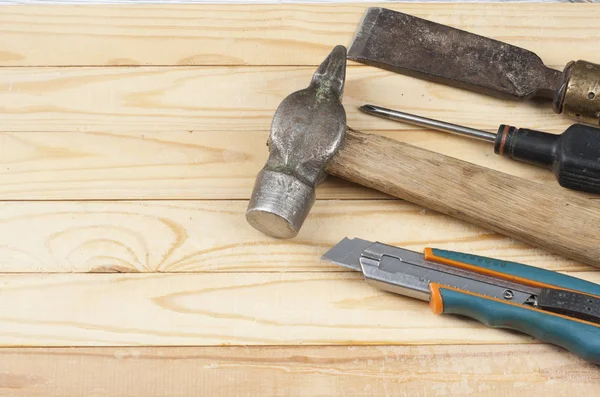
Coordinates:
[551,307]
[417,47]
[573,156]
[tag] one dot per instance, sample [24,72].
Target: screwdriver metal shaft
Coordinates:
[573,156]
[428,123]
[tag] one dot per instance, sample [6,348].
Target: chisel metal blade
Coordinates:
[420,48]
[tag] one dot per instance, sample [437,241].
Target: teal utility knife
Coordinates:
[549,306]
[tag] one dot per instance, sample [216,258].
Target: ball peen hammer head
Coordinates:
[307,130]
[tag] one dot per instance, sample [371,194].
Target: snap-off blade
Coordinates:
[420,48]
[347,253]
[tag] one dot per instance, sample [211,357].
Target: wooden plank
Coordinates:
[217,99]
[281,34]
[213,236]
[127,133]
[185,165]
[418,371]
[224,309]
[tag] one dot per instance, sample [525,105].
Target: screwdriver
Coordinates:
[573,156]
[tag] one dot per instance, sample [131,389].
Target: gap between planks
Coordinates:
[203,66]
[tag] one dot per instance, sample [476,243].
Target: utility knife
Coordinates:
[549,306]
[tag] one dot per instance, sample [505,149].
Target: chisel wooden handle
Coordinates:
[536,214]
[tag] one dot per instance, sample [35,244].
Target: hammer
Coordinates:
[309,139]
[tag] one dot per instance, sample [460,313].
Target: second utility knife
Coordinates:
[549,306]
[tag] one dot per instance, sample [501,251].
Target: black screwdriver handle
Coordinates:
[573,156]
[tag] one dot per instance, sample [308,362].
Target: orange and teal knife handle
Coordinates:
[580,337]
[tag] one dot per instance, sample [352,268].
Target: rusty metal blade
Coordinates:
[413,46]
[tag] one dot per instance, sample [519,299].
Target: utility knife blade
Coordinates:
[551,307]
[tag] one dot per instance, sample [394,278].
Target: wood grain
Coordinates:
[534,214]
[184,165]
[280,34]
[190,122]
[213,236]
[167,99]
[418,371]
[225,309]
[146,133]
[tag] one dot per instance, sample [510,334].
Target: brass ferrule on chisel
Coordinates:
[578,96]
[428,50]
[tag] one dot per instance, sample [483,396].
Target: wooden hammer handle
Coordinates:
[548,217]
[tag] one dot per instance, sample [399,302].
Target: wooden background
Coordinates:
[130,139]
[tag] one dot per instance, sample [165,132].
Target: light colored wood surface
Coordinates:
[180,137]
[546,217]
[225,309]
[174,99]
[196,236]
[269,35]
[184,165]
[144,133]
[153,132]
[418,371]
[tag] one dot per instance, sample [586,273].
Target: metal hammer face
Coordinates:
[308,128]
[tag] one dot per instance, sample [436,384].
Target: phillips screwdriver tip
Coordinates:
[371,109]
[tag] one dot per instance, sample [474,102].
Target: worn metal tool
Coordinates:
[309,139]
[573,156]
[406,44]
[551,307]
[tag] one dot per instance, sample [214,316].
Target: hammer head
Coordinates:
[307,130]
